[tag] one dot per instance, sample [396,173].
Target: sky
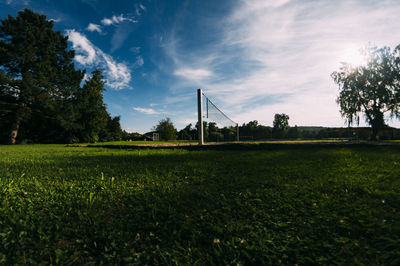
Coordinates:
[252,58]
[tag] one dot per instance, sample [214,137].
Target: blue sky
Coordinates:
[252,58]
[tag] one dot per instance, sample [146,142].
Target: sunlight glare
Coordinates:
[352,54]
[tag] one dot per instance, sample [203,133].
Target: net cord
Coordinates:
[208,100]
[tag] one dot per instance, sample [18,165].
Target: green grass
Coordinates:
[305,141]
[140,142]
[78,205]
[195,142]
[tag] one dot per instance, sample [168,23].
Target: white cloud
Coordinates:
[193,74]
[116,20]
[286,50]
[86,77]
[55,20]
[298,47]
[94,27]
[139,8]
[86,51]
[23,2]
[106,21]
[117,74]
[130,130]
[147,111]
[139,61]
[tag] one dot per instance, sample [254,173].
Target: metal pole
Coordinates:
[200,115]
[237,132]
[207,106]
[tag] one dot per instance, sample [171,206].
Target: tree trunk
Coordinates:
[14,132]
[19,115]
[374,133]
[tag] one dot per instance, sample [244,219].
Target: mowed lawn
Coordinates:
[308,205]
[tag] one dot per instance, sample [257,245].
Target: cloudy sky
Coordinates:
[252,58]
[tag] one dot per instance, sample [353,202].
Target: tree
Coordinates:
[205,130]
[293,132]
[280,125]
[372,89]
[249,129]
[228,134]
[112,131]
[263,132]
[166,129]
[214,133]
[92,114]
[37,75]
[187,133]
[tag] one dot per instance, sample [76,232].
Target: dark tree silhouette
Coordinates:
[280,125]
[372,89]
[37,75]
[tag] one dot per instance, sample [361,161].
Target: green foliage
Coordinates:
[188,133]
[214,133]
[37,76]
[126,136]
[228,133]
[254,131]
[293,132]
[280,125]
[372,89]
[211,132]
[166,129]
[91,111]
[205,130]
[113,131]
[41,100]
[305,206]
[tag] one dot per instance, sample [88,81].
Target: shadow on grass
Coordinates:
[208,207]
[240,146]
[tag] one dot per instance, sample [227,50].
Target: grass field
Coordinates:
[194,142]
[143,142]
[311,205]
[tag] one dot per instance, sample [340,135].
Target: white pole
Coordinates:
[200,114]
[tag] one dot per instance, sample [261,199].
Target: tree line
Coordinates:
[43,97]
[250,131]
[253,131]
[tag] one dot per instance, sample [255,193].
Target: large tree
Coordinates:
[372,89]
[37,74]
[166,129]
[280,125]
[91,111]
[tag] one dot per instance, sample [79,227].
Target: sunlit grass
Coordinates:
[78,205]
[141,142]
[183,142]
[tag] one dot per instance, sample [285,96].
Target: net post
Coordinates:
[237,132]
[200,115]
